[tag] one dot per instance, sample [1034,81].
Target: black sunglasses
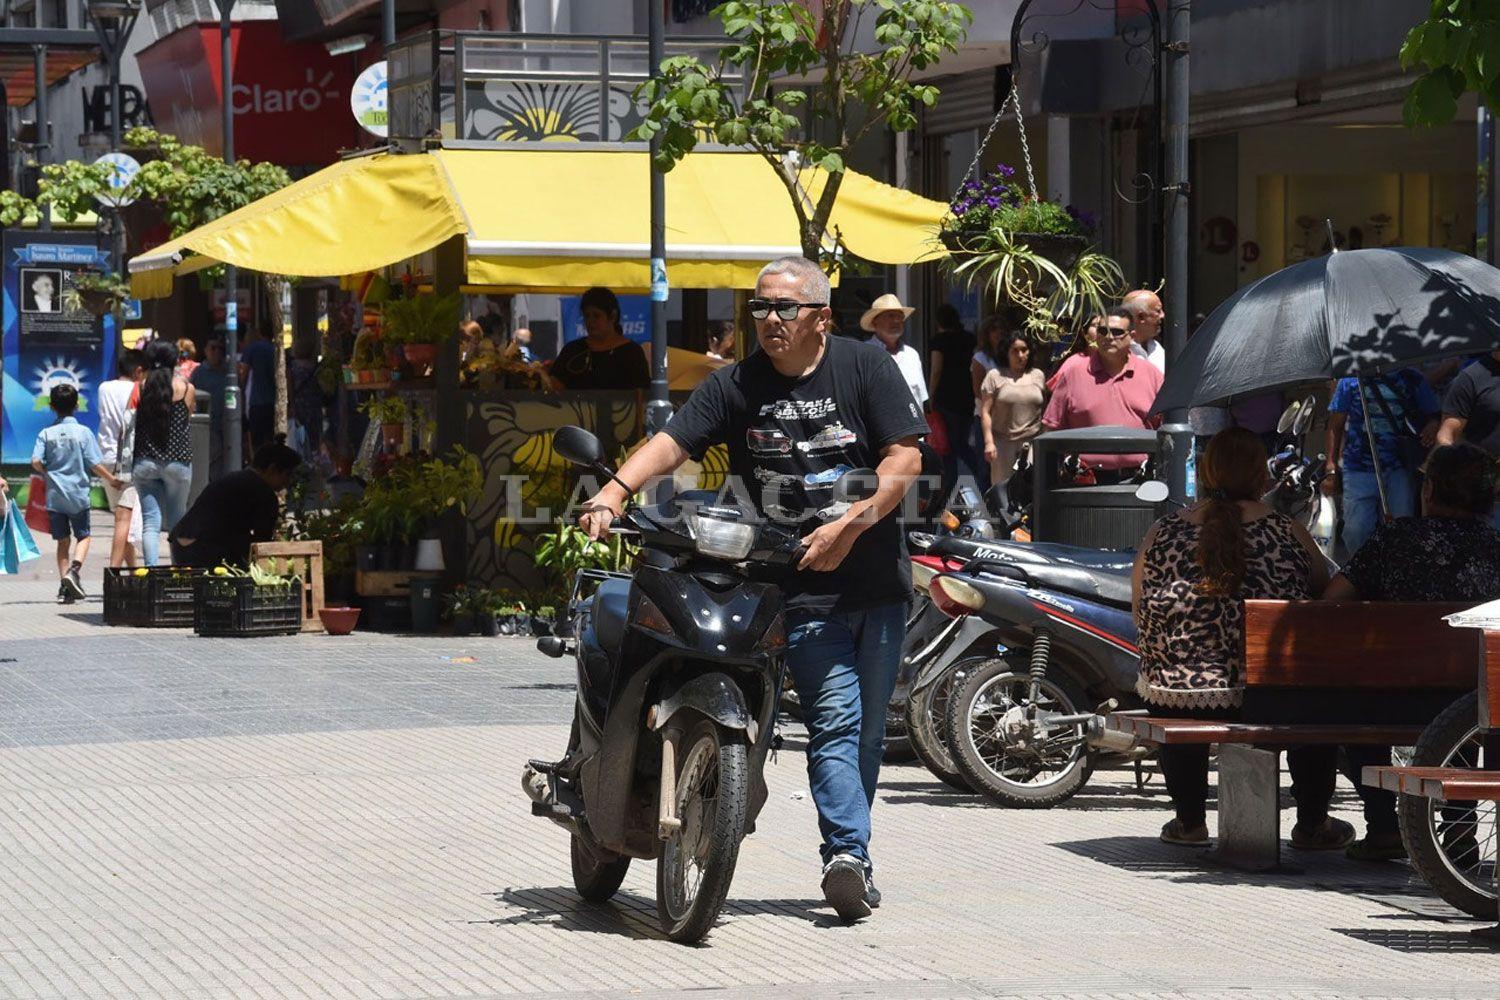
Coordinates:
[784,308]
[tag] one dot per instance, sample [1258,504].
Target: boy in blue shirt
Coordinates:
[65,453]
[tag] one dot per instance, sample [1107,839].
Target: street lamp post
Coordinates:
[233,458]
[113,21]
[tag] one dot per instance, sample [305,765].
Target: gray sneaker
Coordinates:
[844,887]
[74,583]
[872,894]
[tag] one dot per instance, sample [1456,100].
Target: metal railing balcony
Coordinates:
[485,86]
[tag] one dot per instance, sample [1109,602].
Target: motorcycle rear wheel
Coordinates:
[596,881]
[1452,845]
[697,863]
[996,767]
[927,725]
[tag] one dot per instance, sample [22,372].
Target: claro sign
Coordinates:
[290,101]
[259,99]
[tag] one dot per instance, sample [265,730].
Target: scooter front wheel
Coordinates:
[697,862]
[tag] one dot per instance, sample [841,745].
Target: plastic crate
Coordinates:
[238,606]
[153,597]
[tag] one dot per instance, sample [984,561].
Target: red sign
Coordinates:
[290,101]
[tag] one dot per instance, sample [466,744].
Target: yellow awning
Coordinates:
[543,220]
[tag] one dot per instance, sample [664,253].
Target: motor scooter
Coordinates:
[679,668]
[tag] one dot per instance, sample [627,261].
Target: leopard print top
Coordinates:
[1193,646]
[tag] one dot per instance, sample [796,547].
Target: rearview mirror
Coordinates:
[577,446]
[855,485]
[1152,491]
[1289,418]
[1305,418]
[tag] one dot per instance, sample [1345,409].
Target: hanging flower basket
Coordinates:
[1062,249]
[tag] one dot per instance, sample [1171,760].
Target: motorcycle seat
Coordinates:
[610,607]
[1073,555]
[1107,584]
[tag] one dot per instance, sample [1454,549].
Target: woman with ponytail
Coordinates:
[163,470]
[1196,569]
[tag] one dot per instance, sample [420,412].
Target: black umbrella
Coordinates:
[1357,312]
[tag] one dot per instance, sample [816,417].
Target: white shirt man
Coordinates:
[1149,316]
[886,318]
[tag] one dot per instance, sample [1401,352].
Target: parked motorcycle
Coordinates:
[679,670]
[1018,723]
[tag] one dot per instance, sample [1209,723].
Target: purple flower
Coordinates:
[963,206]
[1006,172]
[1085,219]
[992,201]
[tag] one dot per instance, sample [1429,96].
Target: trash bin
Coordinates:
[424,605]
[1097,517]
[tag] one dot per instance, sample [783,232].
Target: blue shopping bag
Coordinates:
[16,544]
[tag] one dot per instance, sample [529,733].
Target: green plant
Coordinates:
[1457,48]
[1010,271]
[742,99]
[569,549]
[80,283]
[419,319]
[390,409]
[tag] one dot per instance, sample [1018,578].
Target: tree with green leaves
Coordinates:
[1457,48]
[842,93]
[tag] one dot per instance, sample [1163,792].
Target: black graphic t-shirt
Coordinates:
[797,436]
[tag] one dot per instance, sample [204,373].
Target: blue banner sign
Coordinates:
[48,338]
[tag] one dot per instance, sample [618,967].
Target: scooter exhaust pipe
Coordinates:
[1101,737]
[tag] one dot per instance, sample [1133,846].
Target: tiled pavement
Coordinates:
[309,816]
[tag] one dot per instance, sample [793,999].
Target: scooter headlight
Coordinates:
[719,534]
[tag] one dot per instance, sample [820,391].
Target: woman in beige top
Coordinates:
[1010,409]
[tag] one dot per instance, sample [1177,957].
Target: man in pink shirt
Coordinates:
[1115,389]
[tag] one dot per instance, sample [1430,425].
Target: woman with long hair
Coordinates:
[1196,569]
[163,470]
[1010,411]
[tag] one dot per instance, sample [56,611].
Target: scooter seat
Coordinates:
[1108,584]
[611,604]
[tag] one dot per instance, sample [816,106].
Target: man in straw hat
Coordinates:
[886,319]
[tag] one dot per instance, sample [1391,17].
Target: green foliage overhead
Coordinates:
[190,185]
[1457,49]
[846,92]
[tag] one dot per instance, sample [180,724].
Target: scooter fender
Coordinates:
[972,632]
[714,696]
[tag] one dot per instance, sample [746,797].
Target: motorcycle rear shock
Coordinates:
[1041,651]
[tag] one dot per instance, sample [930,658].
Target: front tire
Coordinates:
[1452,844]
[596,880]
[1025,769]
[697,863]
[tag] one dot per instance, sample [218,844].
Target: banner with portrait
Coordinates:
[48,336]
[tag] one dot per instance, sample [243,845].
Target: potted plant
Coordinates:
[391,413]
[93,292]
[458,610]
[1025,251]
[419,323]
[544,621]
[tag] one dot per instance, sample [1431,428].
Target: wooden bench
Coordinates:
[1319,673]
[1457,784]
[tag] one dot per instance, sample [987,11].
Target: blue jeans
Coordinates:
[844,666]
[1362,503]
[163,489]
